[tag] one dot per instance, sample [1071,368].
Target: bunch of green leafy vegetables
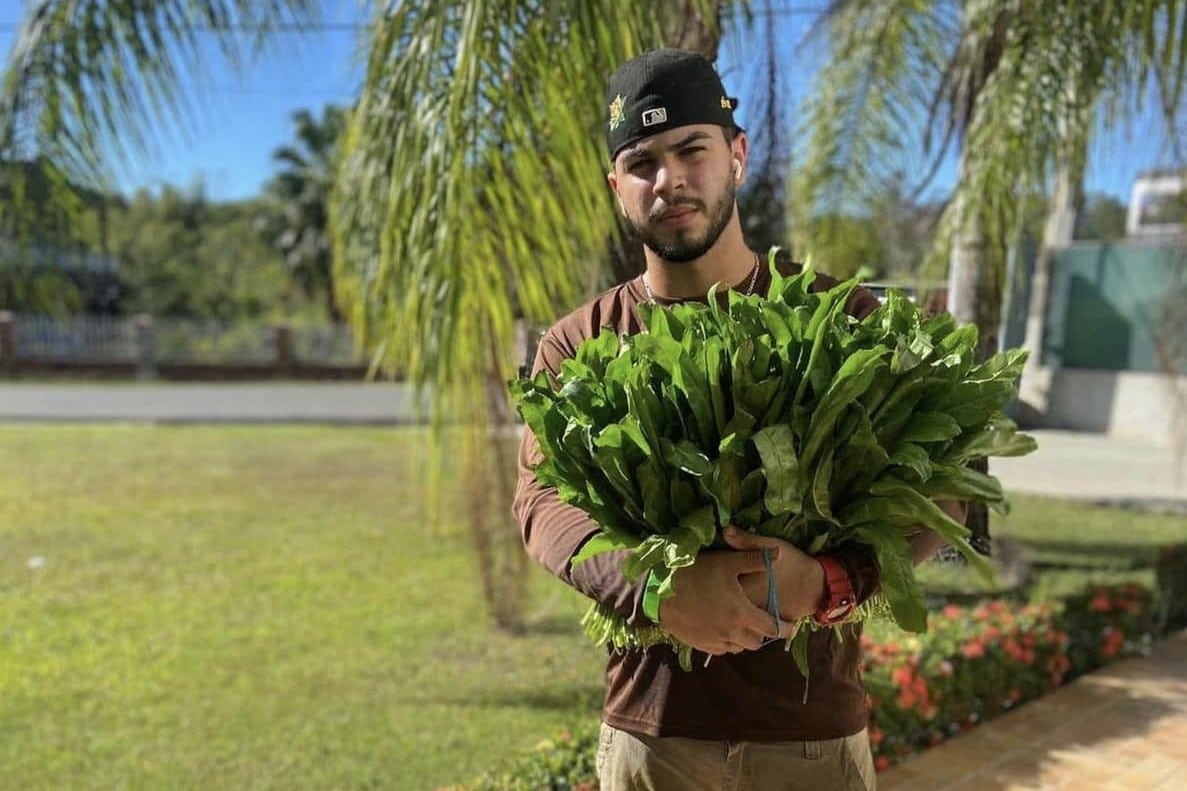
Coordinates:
[779,414]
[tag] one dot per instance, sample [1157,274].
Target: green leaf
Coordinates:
[821,482]
[603,542]
[685,456]
[653,488]
[702,523]
[929,427]
[799,654]
[931,515]
[962,483]
[785,484]
[897,574]
[852,379]
[913,457]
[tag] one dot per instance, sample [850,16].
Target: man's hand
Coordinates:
[799,579]
[925,542]
[709,609]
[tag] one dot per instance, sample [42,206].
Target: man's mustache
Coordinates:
[664,210]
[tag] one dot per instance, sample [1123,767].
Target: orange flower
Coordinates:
[1112,643]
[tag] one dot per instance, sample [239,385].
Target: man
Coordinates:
[739,720]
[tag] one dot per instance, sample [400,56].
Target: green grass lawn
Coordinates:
[256,608]
[272,608]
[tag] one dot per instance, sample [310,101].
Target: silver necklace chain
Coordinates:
[749,288]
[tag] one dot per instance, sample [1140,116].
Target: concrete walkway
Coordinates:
[1096,467]
[1122,728]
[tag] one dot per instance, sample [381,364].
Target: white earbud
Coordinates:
[737,170]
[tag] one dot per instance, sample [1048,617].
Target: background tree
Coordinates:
[1100,216]
[297,216]
[1018,87]
[182,256]
[48,226]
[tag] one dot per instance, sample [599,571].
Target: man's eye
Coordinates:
[693,150]
[639,166]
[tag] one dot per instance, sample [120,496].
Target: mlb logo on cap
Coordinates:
[657,116]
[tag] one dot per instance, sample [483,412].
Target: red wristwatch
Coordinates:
[839,600]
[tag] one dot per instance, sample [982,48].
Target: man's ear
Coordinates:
[612,180]
[740,150]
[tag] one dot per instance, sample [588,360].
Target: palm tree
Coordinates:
[297,213]
[472,204]
[1018,85]
[470,191]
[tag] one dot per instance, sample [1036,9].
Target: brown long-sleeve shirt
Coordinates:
[754,695]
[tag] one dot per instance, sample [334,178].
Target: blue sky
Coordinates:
[246,117]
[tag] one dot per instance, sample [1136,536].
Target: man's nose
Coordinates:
[668,178]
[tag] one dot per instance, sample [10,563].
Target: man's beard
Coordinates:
[681,249]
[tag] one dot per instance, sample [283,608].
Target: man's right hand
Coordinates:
[708,609]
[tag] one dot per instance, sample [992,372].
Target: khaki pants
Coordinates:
[633,762]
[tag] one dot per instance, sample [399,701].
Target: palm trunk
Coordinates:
[491,483]
[971,295]
[1035,384]
[686,27]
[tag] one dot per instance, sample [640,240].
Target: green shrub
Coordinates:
[1107,621]
[562,763]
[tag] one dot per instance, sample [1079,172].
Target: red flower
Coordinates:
[952,611]
[1112,643]
[1100,603]
[974,649]
[876,736]
[881,763]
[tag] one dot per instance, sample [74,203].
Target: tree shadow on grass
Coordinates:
[580,697]
[554,625]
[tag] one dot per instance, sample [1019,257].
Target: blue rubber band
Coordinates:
[772,593]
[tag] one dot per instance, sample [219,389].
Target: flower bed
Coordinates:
[973,663]
[977,662]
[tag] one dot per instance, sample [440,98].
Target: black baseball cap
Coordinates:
[660,90]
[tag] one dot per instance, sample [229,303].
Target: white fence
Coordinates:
[147,342]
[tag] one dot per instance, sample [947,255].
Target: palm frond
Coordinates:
[1062,65]
[863,120]
[89,83]
[473,185]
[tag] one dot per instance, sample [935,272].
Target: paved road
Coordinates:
[1068,464]
[321,402]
